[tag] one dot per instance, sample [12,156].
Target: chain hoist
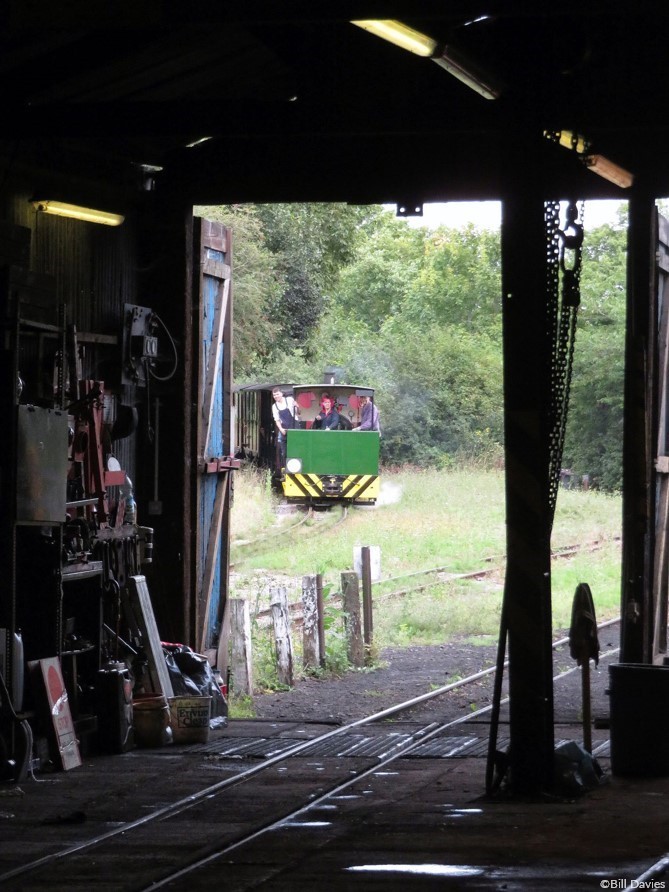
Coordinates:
[564,255]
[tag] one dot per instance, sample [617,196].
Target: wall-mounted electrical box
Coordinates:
[140,344]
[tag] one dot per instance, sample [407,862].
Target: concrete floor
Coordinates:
[427,827]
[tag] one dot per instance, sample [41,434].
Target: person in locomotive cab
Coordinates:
[369,415]
[284,411]
[328,418]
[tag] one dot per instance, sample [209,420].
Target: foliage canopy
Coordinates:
[416,314]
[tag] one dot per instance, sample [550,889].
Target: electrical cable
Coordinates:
[174,350]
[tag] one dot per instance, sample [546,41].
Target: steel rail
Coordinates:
[274,533]
[566,551]
[193,799]
[318,528]
[417,740]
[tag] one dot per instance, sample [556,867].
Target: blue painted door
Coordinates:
[214,463]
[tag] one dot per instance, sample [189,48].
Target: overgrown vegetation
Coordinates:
[452,519]
[416,314]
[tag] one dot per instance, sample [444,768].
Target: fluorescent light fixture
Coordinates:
[401,35]
[198,142]
[457,64]
[610,171]
[568,139]
[77,212]
[449,58]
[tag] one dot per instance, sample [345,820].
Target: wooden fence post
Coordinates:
[241,651]
[321,617]
[367,616]
[311,655]
[351,598]
[282,641]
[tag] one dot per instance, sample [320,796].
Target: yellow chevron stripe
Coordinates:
[370,490]
[300,486]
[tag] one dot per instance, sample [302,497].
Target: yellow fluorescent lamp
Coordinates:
[568,139]
[453,60]
[610,171]
[399,34]
[76,212]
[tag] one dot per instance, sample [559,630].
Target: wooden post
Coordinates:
[311,656]
[222,661]
[368,620]
[587,705]
[639,434]
[283,644]
[241,659]
[351,598]
[321,617]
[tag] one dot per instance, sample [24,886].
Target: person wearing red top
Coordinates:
[328,418]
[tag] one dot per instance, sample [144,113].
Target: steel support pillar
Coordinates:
[527,595]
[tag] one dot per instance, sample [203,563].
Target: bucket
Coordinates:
[151,720]
[189,717]
[639,712]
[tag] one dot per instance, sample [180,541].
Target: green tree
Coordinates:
[459,282]
[446,400]
[311,243]
[389,257]
[593,443]
[257,287]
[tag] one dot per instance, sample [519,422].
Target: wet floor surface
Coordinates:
[421,823]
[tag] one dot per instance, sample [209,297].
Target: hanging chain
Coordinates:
[563,290]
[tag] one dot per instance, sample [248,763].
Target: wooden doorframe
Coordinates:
[645,561]
[661,549]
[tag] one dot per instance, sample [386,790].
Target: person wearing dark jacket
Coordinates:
[328,418]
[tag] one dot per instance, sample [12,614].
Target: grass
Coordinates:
[453,519]
[253,506]
[432,523]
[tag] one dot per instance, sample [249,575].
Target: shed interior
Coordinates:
[149,109]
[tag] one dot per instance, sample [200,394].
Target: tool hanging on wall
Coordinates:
[87,454]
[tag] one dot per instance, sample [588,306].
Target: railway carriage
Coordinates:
[255,431]
[327,466]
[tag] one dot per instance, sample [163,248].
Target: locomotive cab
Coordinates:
[327,461]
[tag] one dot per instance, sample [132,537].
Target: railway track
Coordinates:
[442,574]
[245,549]
[219,819]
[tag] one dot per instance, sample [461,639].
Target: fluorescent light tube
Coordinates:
[76,212]
[399,34]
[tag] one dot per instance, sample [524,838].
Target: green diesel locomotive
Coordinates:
[332,462]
